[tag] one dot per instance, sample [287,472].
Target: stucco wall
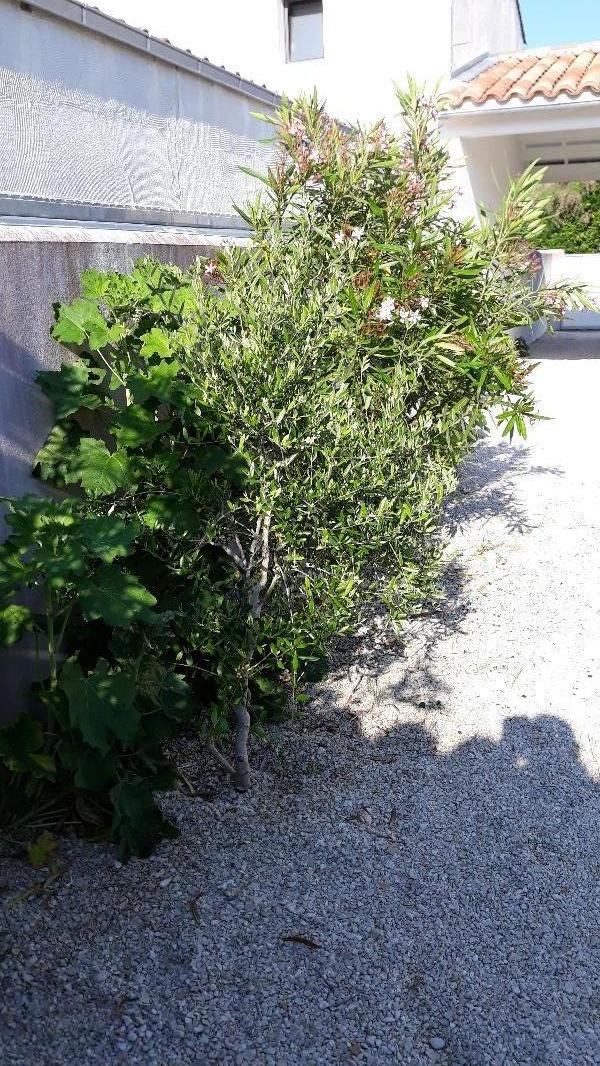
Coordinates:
[485,168]
[33,274]
[367,46]
[86,119]
[480,26]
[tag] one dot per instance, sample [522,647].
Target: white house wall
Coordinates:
[492,163]
[480,26]
[367,46]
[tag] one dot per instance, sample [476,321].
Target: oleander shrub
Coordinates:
[259,449]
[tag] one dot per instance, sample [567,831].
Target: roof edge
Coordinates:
[521,23]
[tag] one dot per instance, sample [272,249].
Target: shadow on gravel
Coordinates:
[394,897]
[458,898]
[488,486]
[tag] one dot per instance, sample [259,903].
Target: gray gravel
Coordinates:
[429,833]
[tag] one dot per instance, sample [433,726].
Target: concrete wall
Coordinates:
[87,119]
[367,46]
[33,274]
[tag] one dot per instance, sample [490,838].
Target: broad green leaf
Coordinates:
[53,460]
[176,698]
[156,342]
[80,322]
[116,597]
[170,512]
[61,563]
[107,537]
[136,425]
[95,771]
[100,472]
[230,465]
[14,571]
[138,824]
[14,622]
[156,381]
[101,703]
[21,747]
[66,388]
[42,850]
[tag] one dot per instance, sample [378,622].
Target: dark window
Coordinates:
[304,30]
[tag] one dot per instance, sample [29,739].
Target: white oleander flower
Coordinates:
[386,311]
[409,317]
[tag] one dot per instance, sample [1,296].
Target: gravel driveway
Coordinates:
[415,877]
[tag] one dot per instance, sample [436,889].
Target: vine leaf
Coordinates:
[21,747]
[156,381]
[80,322]
[101,703]
[116,597]
[138,824]
[14,622]
[156,342]
[65,388]
[53,460]
[42,850]
[136,425]
[100,472]
[107,537]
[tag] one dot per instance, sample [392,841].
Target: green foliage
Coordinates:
[261,448]
[106,717]
[42,850]
[573,218]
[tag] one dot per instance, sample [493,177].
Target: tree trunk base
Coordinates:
[241,778]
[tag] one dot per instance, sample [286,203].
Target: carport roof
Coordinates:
[547,73]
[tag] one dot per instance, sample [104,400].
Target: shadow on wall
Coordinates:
[33,275]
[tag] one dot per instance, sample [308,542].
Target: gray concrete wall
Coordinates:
[88,118]
[33,274]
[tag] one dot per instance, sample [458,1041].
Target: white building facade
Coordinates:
[351,51]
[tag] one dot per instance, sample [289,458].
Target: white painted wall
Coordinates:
[560,267]
[480,26]
[368,44]
[491,164]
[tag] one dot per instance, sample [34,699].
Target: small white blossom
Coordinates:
[409,317]
[386,311]
[339,237]
[357,233]
[424,303]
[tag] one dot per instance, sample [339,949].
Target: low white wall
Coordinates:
[560,266]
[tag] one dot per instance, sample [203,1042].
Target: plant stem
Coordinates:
[49,604]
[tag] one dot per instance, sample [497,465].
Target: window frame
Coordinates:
[287,11]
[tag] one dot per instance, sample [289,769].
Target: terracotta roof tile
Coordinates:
[547,72]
